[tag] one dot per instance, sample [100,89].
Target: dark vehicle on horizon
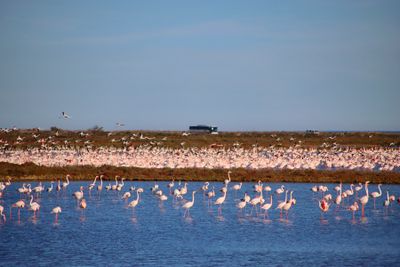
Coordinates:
[203,129]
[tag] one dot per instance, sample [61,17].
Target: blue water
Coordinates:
[108,233]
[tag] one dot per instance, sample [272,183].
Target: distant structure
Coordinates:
[312,132]
[203,129]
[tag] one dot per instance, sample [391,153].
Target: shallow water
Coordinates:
[109,233]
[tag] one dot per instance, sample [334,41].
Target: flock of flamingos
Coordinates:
[260,204]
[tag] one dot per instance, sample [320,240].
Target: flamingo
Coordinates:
[135,202]
[338,199]
[22,189]
[237,187]
[91,186]
[126,195]
[281,204]
[255,201]
[183,190]
[267,188]
[78,194]
[1,213]
[288,204]
[51,187]
[108,187]
[163,197]
[358,188]
[171,185]
[188,205]
[354,208]
[83,204]
[58,186]
[258,187]
[210,195]
[119,186]
[39,188]
[375,195]
[280,190]
[220,201]
[205,186]
[34,206]
[267,206]
[227,181]
[114,186]
[100,187]
[323,205]
[387,201]
[350,191]
[65,184]
[364,200]
[242,204]
[20,204]
[56,211]
[314,189]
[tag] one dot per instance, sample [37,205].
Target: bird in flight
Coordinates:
[119,124]
[65,115]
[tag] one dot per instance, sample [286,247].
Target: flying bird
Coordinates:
[65,115]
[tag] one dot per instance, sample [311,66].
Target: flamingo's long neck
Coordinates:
[270,199]
[101,181]
[366,189]
[30,203]
[193,197]
[286,196]
[291,197]
[379,188]
[67,180]
[116,181]
[137,196]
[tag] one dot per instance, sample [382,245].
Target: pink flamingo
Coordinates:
[364,200]
[1,213]
[56,211]
[20,204]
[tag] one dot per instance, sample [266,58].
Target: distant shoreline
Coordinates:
[31,172]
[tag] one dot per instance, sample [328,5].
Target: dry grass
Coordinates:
[33,172]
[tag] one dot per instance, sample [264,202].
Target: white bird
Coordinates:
[51,187]
[280,190]
[188,205]
[375,195]
[100,187]
[364,200]
[281,204]
[227,181]
[126,195]
[65,184]
[1,213]
[220,201]
[237,187]
[65,115]
[78,194]
[267,206]
[135,202]
[34,206]
[56,211]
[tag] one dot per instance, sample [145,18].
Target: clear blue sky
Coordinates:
[240,65]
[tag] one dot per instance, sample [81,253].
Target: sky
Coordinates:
[165,65]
